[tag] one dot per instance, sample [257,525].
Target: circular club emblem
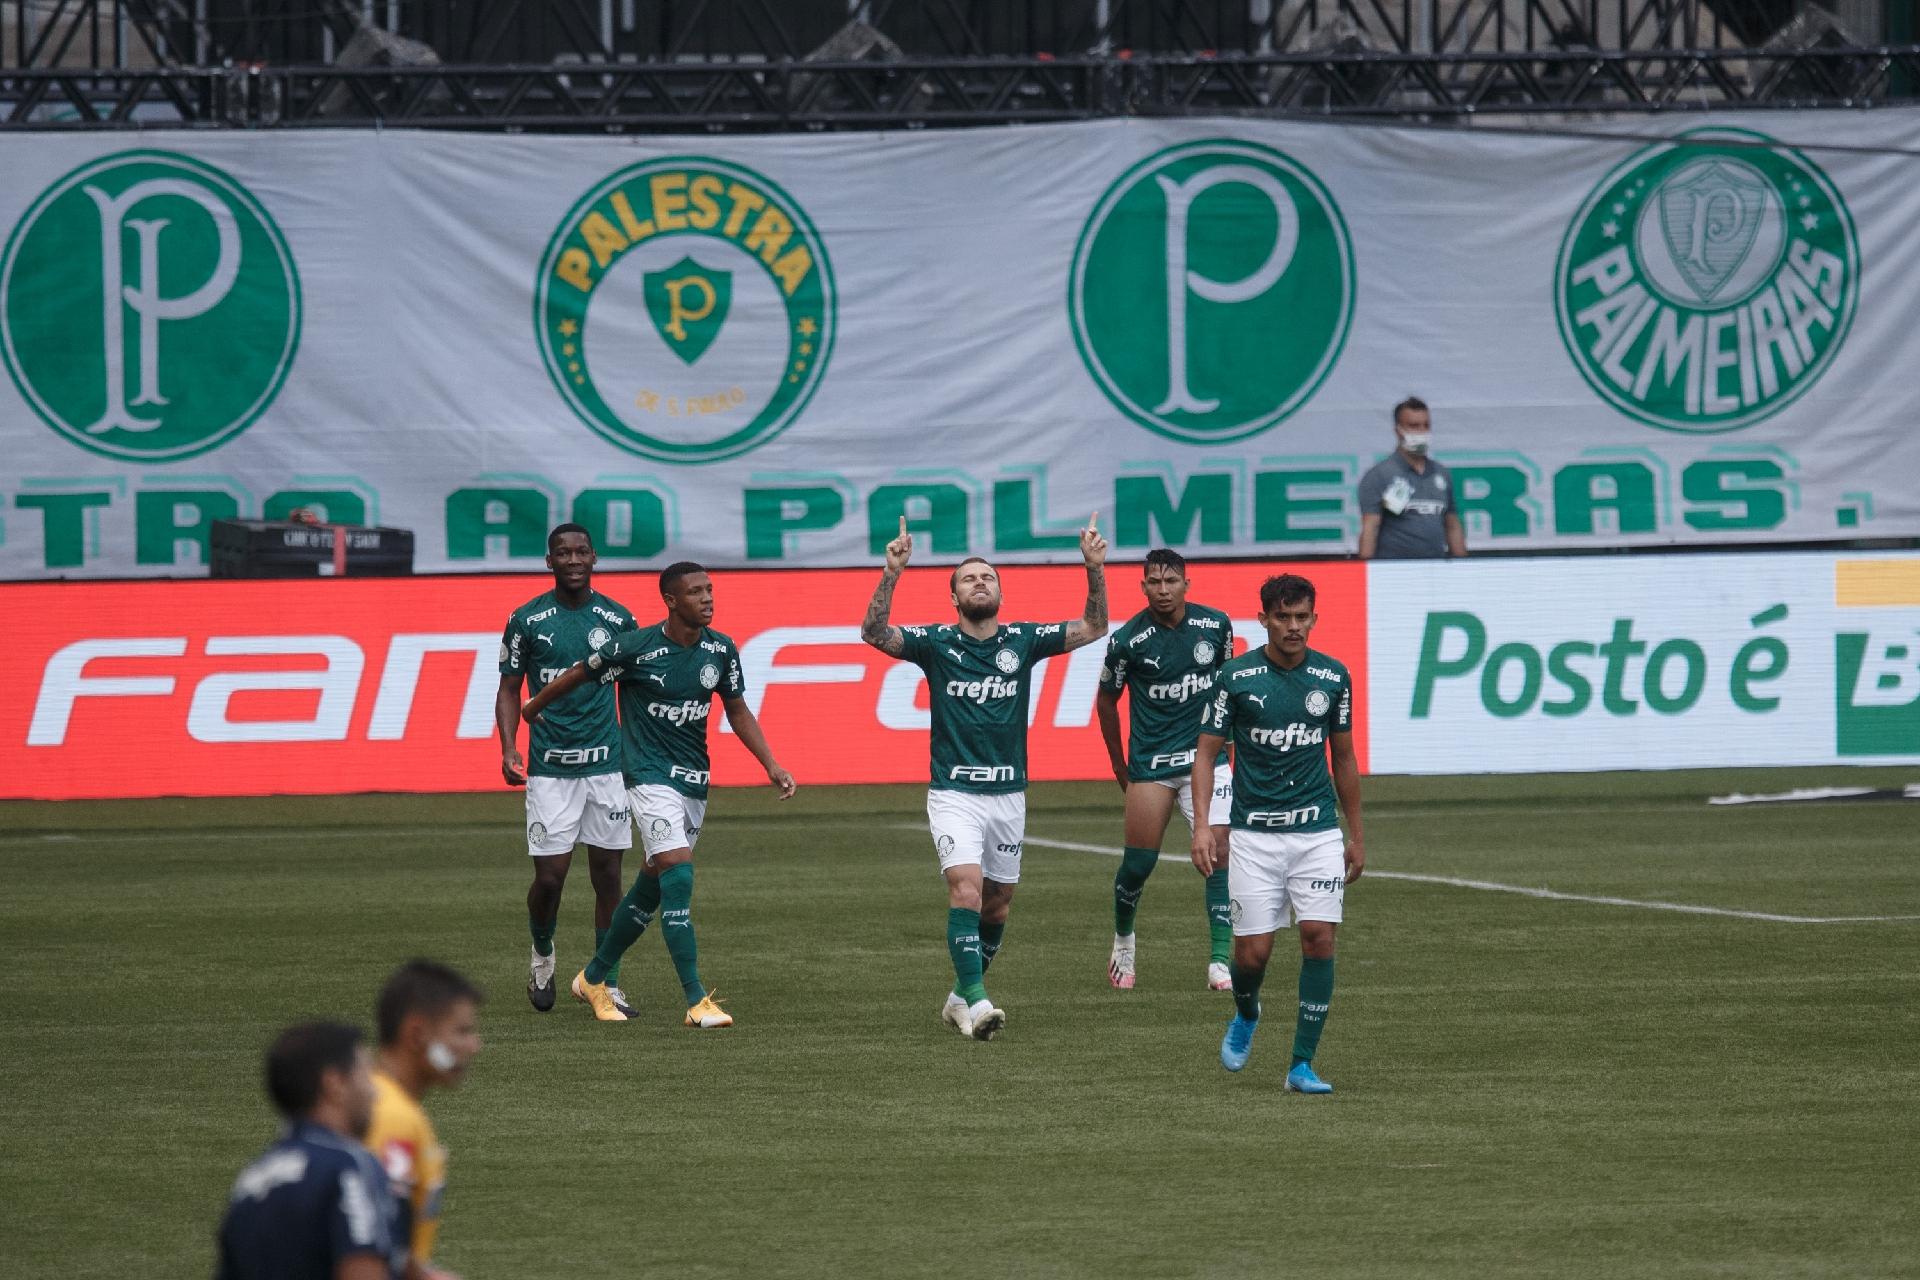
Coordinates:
[658,828]
[685,309]
[1233,911]
[537,833]
[1203,652]
[1212,289]
[149,307]
[943,845]
[1318,702]
[598,637]
[1007,660]
[1708,281]
[709,677]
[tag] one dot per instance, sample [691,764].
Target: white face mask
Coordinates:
[1416,442]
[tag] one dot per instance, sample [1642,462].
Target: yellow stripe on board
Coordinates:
[1869,582]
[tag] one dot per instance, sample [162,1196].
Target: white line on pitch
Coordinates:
[1494,886]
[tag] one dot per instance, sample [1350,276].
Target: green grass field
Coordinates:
[1526,1087]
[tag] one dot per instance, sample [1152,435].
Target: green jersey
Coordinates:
[978,690]
[1277,721]
[666,696]
[577,736]
[1165,671]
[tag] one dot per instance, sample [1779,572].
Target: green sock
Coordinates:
[1316,993]
[1246,992]
[1136,865]
[630,920]
[990,939]
[542,931]
[676,919]
[613,973]
[963,944]
[1219,917]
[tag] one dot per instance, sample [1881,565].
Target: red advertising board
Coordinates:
[350,685]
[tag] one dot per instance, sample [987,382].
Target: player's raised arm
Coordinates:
[1092,623]
[506,718]
[874,629]
[1346,785]
[1207,853]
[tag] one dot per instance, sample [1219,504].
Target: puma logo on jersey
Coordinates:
[1153,662]
[1260,698]
[957,655]
[657,679]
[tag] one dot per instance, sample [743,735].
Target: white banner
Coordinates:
[1643,663]
[763,350]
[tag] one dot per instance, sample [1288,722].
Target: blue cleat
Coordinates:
[1237,1045]
[1302,1080]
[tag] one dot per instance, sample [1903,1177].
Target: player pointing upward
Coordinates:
[977,686]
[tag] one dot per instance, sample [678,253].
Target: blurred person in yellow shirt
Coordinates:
[428,1022]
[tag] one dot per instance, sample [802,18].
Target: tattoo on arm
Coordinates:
[1092,624]
[874,629]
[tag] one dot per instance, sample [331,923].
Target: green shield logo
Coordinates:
[688,304]
[1708,281]
[685,309]
[149,307]
[1212,289]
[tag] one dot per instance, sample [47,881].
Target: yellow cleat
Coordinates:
[597,995]
[708,1014]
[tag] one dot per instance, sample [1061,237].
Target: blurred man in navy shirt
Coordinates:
[315,1205]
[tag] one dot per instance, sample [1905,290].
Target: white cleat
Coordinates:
[954,1013]
[621,1002]
[540,979]
[1120,963]
[986,1021]
[1219,978]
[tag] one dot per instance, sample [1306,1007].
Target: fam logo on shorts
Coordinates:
[1708,281]
[1203,652]
[1007,660]
[1212,289]
[149,307]
[1318,702]
[685,309]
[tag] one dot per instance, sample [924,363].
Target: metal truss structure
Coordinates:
[756,65]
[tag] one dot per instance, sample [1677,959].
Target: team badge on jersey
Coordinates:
[709,677]
[1203,652]
[1318,702]
[598,637]
[1007,660]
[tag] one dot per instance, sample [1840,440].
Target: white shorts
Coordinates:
[971,830]
[1277,877]
[1219,809]
[565,811]
[667,819]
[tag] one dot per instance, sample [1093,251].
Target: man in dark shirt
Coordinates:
[1407,509]
[315,1205]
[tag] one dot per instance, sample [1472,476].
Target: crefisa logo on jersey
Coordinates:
[1708,281]
[1212,289]
[149,307]
[685,309]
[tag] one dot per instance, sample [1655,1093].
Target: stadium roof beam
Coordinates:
[920,93]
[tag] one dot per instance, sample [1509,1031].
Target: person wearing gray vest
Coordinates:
[1407,509]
